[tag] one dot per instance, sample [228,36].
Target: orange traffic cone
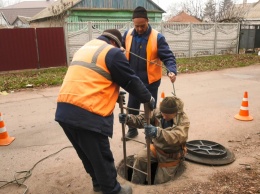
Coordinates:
[5,139]
[162,97]
[244,112]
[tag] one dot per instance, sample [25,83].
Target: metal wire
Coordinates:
[154,64]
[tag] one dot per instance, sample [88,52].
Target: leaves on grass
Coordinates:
[54,76]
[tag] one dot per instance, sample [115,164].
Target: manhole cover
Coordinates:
[208,152]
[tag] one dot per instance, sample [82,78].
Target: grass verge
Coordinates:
[11,81]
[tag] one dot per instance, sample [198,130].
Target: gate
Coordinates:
[29,48]
[249,37]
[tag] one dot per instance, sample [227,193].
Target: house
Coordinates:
[22,22]
[253,15]
[184,17]
[3,21]
[25,9]
[89,10]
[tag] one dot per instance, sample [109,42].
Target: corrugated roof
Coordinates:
[81,5]
[45,13]
[25,8]
[184,17]
[129,5]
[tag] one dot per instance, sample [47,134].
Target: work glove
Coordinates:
[122,95]
[152,103]
[123,118]
[150,130]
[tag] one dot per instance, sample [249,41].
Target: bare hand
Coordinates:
[172,76]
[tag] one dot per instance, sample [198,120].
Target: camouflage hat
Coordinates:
[168,105]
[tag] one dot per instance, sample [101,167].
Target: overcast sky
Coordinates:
[164,4]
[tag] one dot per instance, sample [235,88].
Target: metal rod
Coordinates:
[135,140]
[121,104]
[136,169]
[148,141]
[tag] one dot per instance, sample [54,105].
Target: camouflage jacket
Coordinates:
[169,139]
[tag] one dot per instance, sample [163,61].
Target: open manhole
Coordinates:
[130,162]
[208,152]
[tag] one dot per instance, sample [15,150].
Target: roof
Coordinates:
[25,8]
[254,12]
[47,12]
[3,22]
[149,5]
[25,20]
[184,17]
[98,5]
[30,4]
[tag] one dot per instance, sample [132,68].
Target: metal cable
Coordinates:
[163,66]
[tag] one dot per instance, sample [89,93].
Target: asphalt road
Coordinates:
[211,101]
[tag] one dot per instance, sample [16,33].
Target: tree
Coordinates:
[210,11]
[223,11]
[230,12]
[193,8]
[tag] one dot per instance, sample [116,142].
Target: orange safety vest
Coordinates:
[154,65]
[177,156]
[88,83]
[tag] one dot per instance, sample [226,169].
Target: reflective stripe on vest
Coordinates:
[154,65]
[88,83]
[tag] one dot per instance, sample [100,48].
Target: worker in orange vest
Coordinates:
[147,50]
[86,102]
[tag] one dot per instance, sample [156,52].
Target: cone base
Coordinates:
[243,118]
[6,141]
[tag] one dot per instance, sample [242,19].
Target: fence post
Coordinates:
[190,42]
[66,42]
[238,37]
[37,49]
[215,39]
[90,31]
[162,28]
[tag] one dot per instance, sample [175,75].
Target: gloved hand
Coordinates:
[150,130]
[122,118]
[152,103]
[121,95]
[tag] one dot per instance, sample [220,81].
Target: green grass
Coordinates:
[11,81]
[213,63]
[38,78]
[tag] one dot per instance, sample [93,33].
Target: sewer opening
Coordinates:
[130,162]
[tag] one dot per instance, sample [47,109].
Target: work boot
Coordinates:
[132,132]
[125,189]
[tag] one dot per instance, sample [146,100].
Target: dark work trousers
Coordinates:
[94,151]
[135,103]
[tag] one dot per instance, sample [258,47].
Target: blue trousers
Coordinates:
[135,103]
[94,151]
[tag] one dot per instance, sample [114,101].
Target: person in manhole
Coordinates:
[169,132]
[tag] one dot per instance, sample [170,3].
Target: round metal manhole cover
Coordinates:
[208,152]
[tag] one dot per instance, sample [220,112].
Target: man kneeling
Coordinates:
[169,132]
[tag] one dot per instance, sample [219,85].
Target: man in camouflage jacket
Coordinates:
[169,132]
